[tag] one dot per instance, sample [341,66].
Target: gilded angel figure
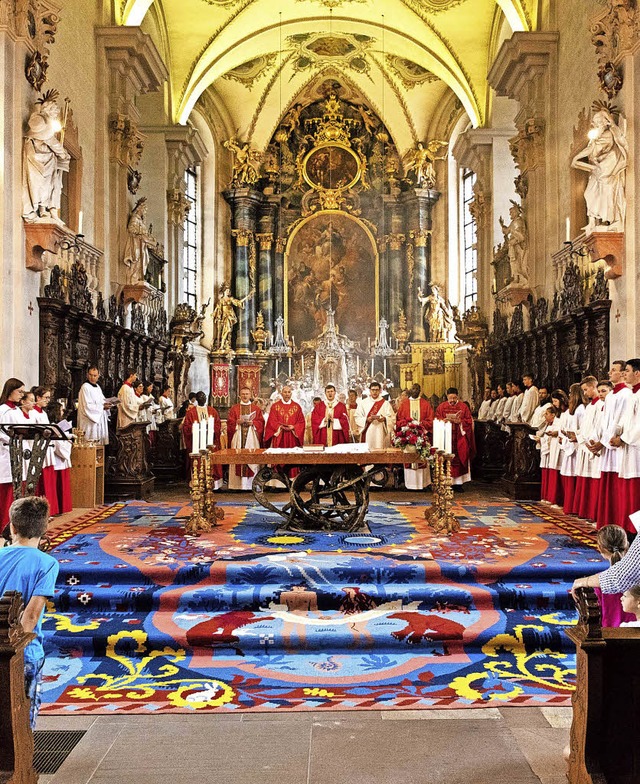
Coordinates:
[421,161]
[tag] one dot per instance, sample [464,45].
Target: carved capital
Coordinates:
[265,240]
[178,205]
[396,241]
[420,237]
[242,237]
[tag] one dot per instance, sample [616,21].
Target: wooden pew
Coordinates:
[16,738]
[606,704]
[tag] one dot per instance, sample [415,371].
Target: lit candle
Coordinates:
[80,216]
[568,229]
[195,438]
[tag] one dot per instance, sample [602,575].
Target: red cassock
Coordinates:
[187,433]
[426,414]
[320,433]
[284,414]
[464,447]
[235,412]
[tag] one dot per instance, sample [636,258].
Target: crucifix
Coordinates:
[30,308]
[618,315]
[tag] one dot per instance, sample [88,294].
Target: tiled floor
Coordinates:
[477,746]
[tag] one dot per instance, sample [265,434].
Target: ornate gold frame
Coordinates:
[317,186]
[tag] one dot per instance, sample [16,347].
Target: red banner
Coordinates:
[220,381]
[249,376]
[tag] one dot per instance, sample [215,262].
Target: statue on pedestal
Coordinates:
[422,160]
[517,238]
[224,317]
[136,249]
[44,160]
[438,316]
[606,161]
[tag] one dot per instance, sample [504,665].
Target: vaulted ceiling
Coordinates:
[408,59]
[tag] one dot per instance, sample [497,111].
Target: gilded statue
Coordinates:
[224,317]
[246,162]
[44,161]
[517,238]
[439,317]
[421,161]
[606,161]
[136,249]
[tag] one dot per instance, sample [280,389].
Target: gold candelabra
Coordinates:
[205,514]
[439,515]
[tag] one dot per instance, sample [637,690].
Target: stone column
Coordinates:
[526,70]
[129,66]
[383,282]
[265,279]
[397,273]
[278,276]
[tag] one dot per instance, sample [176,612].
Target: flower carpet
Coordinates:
[250,618]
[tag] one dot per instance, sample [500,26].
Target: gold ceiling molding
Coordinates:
[221,3]
[410,74]
[400,97]
[317,49]
[263,97]
[333,3]
[437,6]
[250,72]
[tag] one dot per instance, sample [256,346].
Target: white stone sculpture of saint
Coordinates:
[44,161]
[438,315]
[136,249]
[606,161]
[517,238]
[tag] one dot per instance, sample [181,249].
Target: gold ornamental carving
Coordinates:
[260,334]
[411,264]
[281,244]
[396,241]
[246,163]
[178,206]
[420,237]
[265,240]
[242,237]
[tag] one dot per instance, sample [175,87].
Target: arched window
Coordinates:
[468,241]
[191,258]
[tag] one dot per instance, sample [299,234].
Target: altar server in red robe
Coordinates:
[201,413]
[614,407]
[628,485]
[9,414]
[416,409]
[285,425]
[588,458]
[245,426]
[330,420]
[47,485]
[462,441]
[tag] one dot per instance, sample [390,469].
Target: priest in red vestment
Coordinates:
[417,409]
[285,425]
[201,413]
[462,441]
[245,426]
[330,420]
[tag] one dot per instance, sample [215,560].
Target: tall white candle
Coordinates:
[371,367]
[289,367]
[384,367]
[80,216]
[210,431]
[447,437]
[568,229]
[357,365]
[195,438]
[302,361]
[277,369]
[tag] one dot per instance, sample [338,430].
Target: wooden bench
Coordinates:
[606,704]
[16,738]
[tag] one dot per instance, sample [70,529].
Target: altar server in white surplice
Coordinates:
[529,399]
[628,486]
[375,419]
[129,407]
[588,459]
[93,412]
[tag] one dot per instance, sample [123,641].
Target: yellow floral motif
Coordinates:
[65,624]
[285,539]
[526,667]
[139,684]
[316,692]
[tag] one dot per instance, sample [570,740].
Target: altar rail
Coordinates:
[606,709]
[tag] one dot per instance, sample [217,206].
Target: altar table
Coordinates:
[331,491]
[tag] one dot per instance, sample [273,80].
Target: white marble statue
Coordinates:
[517,238]
[605,158]
[136,249]
[438,316]
[44,161]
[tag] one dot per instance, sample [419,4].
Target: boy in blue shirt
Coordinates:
[26,569]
